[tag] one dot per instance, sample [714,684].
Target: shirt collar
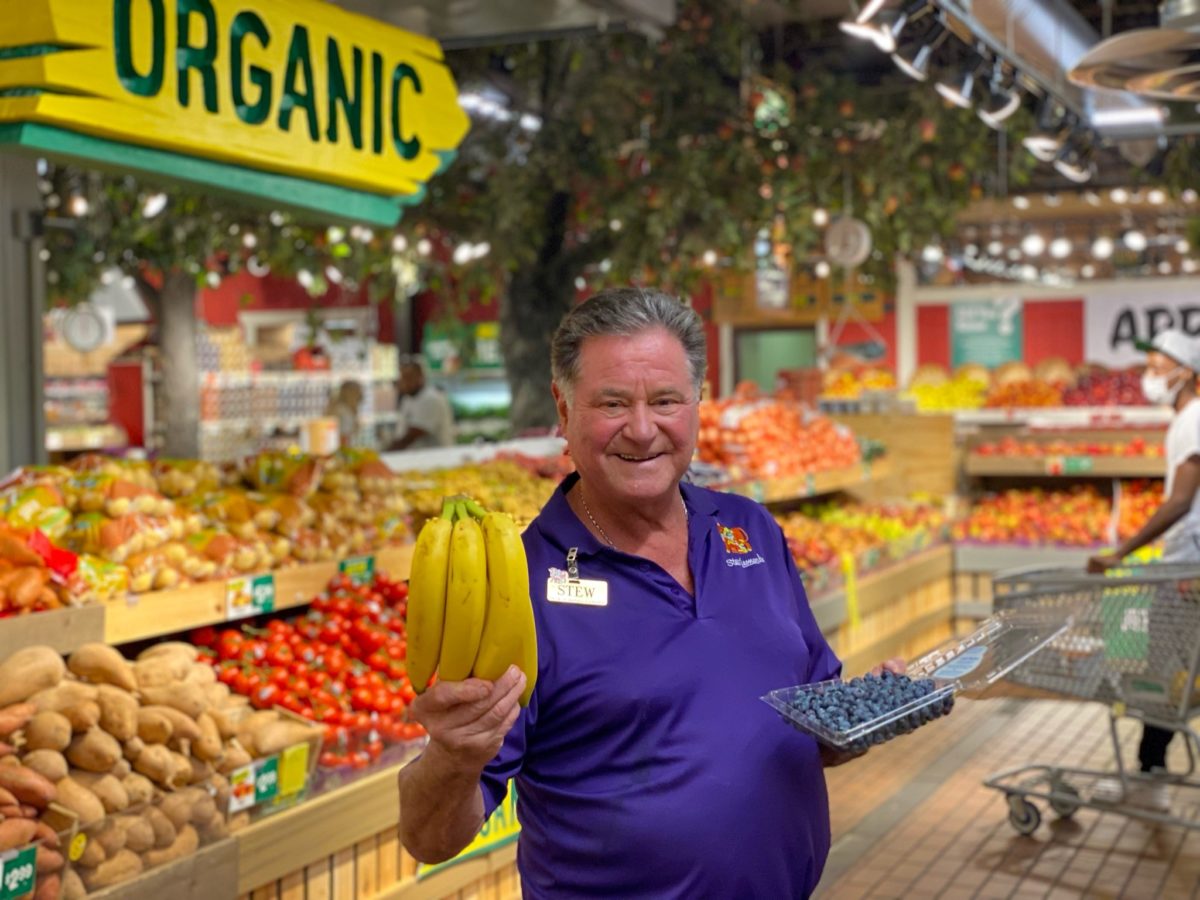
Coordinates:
[559,525]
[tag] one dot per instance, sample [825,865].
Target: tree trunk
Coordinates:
[177,331]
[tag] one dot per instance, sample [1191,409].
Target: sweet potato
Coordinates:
[14,717]
[75,797]
[208,745]
[152,726]
[27,786]
[82,716]
[214,829]
[110,837]
[133,747]
[122,767]
[26,585]
[72,886]
[185,844]
[183,727]
[189,699]
[201,674]
[118,712]
[47,861]
[50,764]
[102,664]
[122,867]
[107,788]
[164,831]
[201,771]
[228,717]
[139,788]
[178,806]
[48,731]
[273,737]
[48,836]
[170,770]
[93,854]
[95,751]
[29,670]
[235,757]
[7,799]
[217,695]
[49,886]
[239,821]
[139,836]
[179,649]
[16,833]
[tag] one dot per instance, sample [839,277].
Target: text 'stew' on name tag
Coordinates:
[583,592]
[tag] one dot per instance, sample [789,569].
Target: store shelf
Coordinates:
[878,589]
[60,629]
[1001,557]
[1068,416]
[143,616]
[209,872]
[72,438]
[1066,466]
[784,490]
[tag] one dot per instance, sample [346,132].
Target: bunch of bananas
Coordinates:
[469,610]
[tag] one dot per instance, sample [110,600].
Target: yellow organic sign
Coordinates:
[297,87]
[500,829]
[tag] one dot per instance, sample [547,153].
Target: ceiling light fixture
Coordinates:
[1045,141]
[914,61]
[1102,247]
[1134,240]
[1060,247]
[1033,244]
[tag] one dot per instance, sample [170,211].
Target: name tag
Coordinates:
[583,592]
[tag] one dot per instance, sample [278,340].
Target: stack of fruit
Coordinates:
[1016,447]
[1077,517]
[933,390]
[341,665]
[511,485]
[761,437]
[849,383]
[1139,501]
[1020,394]
[1099,387]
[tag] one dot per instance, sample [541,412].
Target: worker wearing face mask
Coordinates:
[1169,380]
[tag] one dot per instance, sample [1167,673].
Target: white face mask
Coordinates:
[1157,388]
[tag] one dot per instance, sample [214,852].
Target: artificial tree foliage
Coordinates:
[615,159]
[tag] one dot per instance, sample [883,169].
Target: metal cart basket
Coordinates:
[1134,646]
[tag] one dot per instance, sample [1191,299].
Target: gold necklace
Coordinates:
[587,509]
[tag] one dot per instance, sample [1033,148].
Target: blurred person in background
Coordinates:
[1172,365]
[425,414]
[344,406]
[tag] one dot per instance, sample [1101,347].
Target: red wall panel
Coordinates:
[1053,328]
[933,335]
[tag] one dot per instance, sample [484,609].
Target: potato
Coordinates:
[48,731]
[204,807]
[274,737]
[95,751]
[118,712]
[64,694]
[50,764]
[185,844]
[133,748]
[28,671]
[217,695]
[239,821]
[228,718]
[153,726]
[139,788]
[108,788]
[183,727]
[75,797]
[169,649]
[221,790]
[139,836]
[162,766]
[26,785]
[93,854]
[178,806]
[201,674]
[189,699]
[164,831]
[110,837]
[214,829]
[235,757]
[122,767]
[207,745]
[160,671]
[72,886]
[122,867]
[201,771]
[102,664]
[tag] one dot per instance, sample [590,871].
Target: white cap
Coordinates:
[1174,343]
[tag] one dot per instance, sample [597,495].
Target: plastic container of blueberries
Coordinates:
[995,648]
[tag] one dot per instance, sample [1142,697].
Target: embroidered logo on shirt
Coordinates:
[736,540]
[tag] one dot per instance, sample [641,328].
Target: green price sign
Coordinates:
[1076,465]
[266,780]
[249,595]
[17,873]
[361,569]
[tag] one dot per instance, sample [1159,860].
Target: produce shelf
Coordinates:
[999,557]
[142,616]
[800,487]
[61,629]
[72,438]
[881,587]
[1067,466]
[1067,416]
[209,872]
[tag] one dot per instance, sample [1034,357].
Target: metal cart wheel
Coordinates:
[1063,806]
[1023,815]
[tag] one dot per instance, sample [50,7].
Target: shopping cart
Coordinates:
[1134,646]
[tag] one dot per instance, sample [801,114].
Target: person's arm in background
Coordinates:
[406,440]
[1174,508]
[441,798]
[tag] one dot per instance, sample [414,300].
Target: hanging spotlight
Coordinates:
[914,61]
[1134,240]
[1033,244]
[869,9]
[1001,101]
[1102,247]
[1060,247]
[960,84]
[1075,161]
[1087,270]
[1045,141]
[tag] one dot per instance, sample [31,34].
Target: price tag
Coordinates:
[241,789]
[293,770]
[249,595]
[78,845]
[1054,465]
[1074,465]
[17,873]
[266,780]
[361,569]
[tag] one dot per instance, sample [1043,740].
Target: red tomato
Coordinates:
[362,699]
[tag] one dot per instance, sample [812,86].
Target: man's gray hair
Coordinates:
[626,311]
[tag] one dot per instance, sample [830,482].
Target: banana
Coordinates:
[509,633]
[466,599]
[427,600]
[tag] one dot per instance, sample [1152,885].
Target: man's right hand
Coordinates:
[468,720]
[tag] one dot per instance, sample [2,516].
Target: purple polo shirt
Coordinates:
[645,764]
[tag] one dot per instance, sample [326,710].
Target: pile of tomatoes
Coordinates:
[341,664]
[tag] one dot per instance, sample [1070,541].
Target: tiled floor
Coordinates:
[912,819]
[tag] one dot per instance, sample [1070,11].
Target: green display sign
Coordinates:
[17,873]
[266,780]
[986,331]
[361,569]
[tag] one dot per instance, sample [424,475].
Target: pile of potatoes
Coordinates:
[139,750]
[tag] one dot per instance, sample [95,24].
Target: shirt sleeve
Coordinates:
[424,413]
[508,762]
[823,662]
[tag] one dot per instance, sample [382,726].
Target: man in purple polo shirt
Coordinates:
[645,764]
